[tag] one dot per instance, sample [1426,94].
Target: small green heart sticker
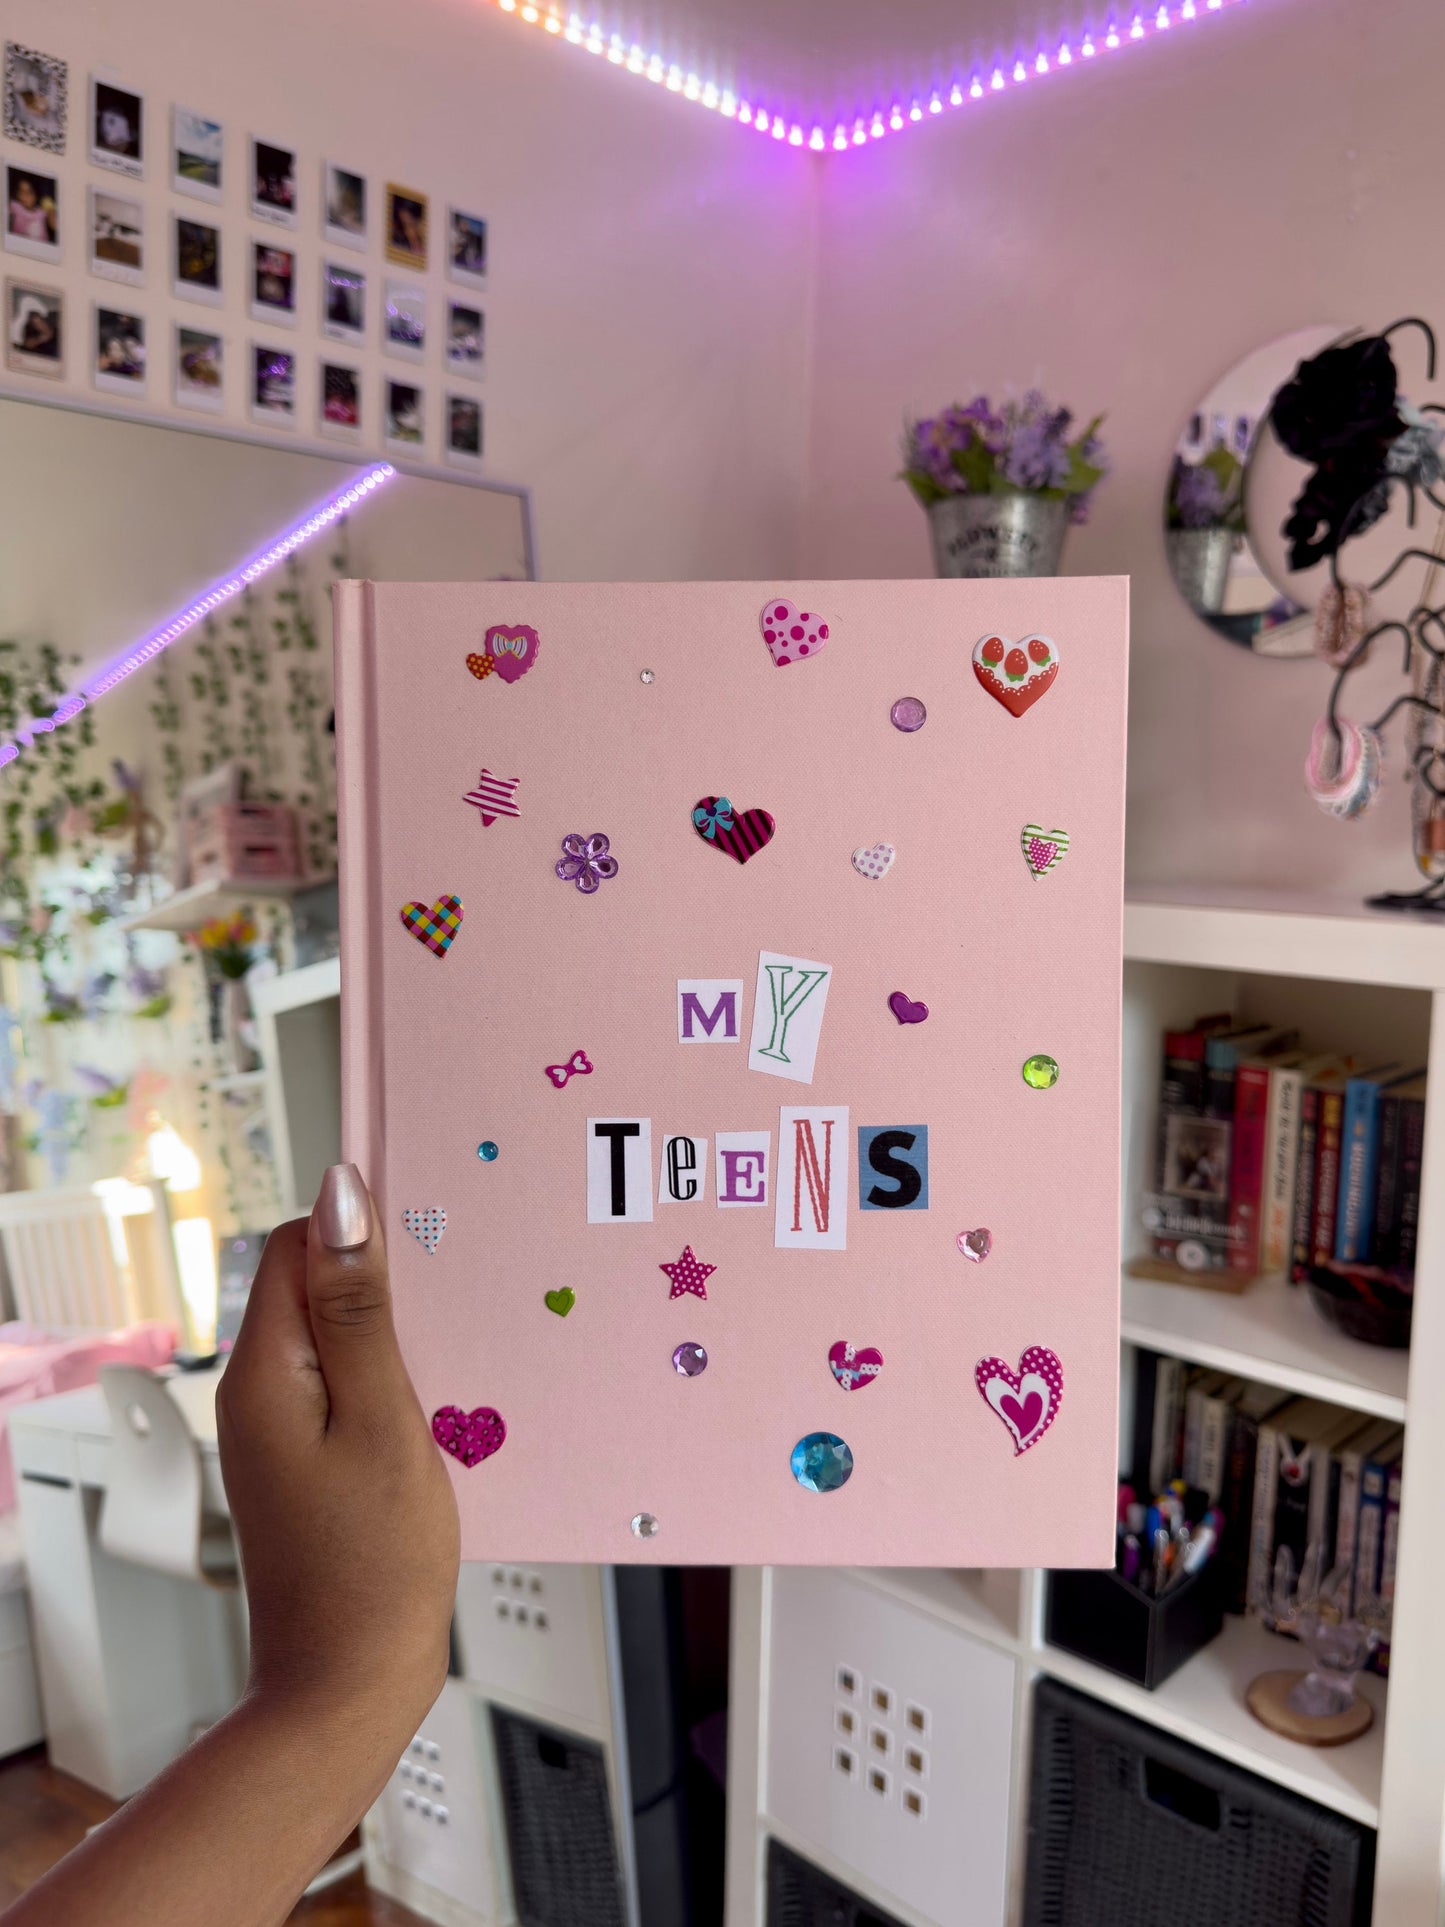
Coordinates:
[561,1301]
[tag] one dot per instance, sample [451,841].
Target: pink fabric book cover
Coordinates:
[731,1012]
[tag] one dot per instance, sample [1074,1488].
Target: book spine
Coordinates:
[1193,1420]
[1374,1479]
[1239,1482]
[1246,1166]
[1359,1141]
[1181,1094]
[1412,1145]
[1168,1420]
[1324,1503]
[1389,1553]
[1327,1176]
[1302,1233]
[1281,1165]
[1261,1531]
[1293,1499]
[1347,1513]
[1214,1429]
[1385,1237]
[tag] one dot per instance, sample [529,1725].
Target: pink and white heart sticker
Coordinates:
[1027,1401]
[854,1366]
[426,1223]
[792,634]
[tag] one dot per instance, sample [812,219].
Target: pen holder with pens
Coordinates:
[1105,1618]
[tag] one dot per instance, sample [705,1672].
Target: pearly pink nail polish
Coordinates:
[343,1210]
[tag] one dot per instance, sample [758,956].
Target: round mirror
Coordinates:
[1217,523]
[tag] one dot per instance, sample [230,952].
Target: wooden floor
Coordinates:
[43,1814]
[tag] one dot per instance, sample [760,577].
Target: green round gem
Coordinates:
[1040,1073]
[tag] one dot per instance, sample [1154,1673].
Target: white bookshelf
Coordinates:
[1352,979]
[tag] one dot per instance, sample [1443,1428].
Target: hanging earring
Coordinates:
[1342,770]
[1342,615]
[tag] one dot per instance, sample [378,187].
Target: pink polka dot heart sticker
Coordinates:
[1027,1400]
[791,633]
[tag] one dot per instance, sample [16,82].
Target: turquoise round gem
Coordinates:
[488,1151]
[1040,1073]
[822,1462]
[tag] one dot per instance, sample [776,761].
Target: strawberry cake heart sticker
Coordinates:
[791,633]
[1016,673]
[469,1436]
[1027,1401]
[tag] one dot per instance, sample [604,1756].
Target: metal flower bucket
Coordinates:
[983,535]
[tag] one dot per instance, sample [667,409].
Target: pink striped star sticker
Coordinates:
[688,1274]
[494,796]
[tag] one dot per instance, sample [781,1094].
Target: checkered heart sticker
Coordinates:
[435,927]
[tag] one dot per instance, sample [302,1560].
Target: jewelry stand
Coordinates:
[1423,662]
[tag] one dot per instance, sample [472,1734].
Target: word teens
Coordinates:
[807,1187]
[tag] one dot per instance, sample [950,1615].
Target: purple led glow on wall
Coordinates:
[138,654]
[1124,27]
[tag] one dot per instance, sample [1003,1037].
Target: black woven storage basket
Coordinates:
[802,1895]
[1129,1827]
[559,1826]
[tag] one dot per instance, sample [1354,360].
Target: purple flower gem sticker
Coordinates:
[585,862]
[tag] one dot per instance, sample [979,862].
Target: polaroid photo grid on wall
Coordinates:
[405,320]
[273,386]
[197,261]
[32,213]
[200,369]
[196,155]
[466,249]
[343,206]
[340,396]
[466,344]
[403,416]
[273,284]
[116,237]
[117,128]
[34,321]
[464,431]
[36,98]
[120,351]
[273,182]
[343,302]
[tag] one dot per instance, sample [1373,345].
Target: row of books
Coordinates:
[1275,1159]
[1284,1472]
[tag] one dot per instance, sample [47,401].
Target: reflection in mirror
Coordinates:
[1214,515]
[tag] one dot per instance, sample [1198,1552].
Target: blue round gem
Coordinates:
[487,1151]
[822,1462]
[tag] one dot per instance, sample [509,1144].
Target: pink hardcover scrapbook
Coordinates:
[730,990]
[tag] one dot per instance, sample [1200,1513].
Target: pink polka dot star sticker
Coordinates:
[688,1274]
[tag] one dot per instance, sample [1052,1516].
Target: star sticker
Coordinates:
[494,796]
[688,1274]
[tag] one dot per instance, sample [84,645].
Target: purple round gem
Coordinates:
[908,714]
[689,1360]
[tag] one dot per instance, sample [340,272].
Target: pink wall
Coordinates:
[646,320]
[1122,235]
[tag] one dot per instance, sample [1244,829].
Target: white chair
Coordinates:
[151,1513]
[91,1259]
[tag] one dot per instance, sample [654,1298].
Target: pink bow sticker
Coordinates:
[1027,1401]
[579,1064]
[513,650]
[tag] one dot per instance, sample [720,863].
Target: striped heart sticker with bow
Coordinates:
[742,833]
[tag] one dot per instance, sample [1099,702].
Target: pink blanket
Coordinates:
[35,1363]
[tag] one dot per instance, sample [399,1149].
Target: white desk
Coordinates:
[130,1661]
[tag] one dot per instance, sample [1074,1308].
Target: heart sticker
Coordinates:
[1042,848]
[1027,1402]
[876,862]
[790,632]
[742,833]
[469,1436]
[426,1224]
[852,1366]
[481,666]
[436,927]
[975,1245]
[513,650]
[560,1301]
[1016,673]
[905,1010]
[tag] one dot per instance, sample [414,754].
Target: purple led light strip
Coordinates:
[140,653]
[1122,29]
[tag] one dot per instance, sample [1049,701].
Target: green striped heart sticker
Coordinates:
[1043,848]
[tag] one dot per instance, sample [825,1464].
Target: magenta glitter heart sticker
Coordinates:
[854,1366]
[791,633]
[905,1009]
[469,1436]
[513,649]
[1027,1401]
